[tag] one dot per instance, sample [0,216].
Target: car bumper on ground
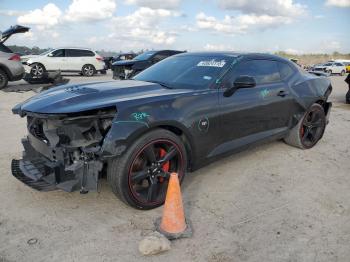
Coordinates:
[42,169]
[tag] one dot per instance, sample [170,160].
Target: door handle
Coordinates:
[282,93]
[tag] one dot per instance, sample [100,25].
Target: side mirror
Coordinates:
[244,82]
[240,82]
[50,55]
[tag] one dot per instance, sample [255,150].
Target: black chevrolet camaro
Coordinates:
[176,116]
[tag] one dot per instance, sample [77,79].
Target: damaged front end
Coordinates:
[63,151]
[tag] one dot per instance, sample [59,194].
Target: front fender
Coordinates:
[120,136]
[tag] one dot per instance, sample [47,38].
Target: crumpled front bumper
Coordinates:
[28,173]
[39,170]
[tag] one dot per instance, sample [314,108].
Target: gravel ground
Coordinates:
[270,203]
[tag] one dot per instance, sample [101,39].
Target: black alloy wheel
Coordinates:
[150,170]
[140,176]
[312,128]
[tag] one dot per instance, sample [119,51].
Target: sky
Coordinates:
[294,26]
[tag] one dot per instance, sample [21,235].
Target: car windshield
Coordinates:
[328,64]
[145,55]
[46,52]
[188,71]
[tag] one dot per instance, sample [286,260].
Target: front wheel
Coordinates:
[140,176]
[88,70]
[309,129]
[37,70]
[342,73]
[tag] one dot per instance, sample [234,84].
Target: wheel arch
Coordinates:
[180,131]
[124,133]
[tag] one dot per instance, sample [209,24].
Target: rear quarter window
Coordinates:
[79,53]
[286,70]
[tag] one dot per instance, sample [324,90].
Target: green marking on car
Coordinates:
[139,116]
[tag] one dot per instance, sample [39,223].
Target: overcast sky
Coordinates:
[296,26]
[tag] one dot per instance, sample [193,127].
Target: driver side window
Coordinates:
[264,71]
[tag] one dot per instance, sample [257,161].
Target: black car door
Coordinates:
[255,113]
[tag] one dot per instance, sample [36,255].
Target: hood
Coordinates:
[29,56]
[25,58]
[78,98]
[125,62]
[11,31]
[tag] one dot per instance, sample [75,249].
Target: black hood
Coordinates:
[84,97]
[125,63]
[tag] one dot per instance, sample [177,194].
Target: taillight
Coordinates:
[98,58]
[15,57]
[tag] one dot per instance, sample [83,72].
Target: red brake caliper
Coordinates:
[302,131]
[166,166]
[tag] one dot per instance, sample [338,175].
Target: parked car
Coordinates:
[71,59]
[345,62]
[176,116]
[331,68]
[121,57]
[11,68]
[130,68]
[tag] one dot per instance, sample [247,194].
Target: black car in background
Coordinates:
[109,60]
[176,116]
[130,68]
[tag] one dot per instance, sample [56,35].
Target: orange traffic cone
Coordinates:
[173,223]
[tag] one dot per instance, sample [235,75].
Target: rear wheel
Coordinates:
[309,130]
[3,79]
[140,177]
[342,73]
[88,70]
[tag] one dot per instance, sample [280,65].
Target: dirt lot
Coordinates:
[271,203]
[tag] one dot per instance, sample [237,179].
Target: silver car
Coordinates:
[11,68]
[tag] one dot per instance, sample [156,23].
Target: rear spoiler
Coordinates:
[16,29]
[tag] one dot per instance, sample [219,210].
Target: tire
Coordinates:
[3,79]
[329,72]
[307,133]
[88,70]
[342,73]
[37,70]
[347,96]
[120,171]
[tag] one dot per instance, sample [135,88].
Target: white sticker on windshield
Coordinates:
[212,63]
[207,77]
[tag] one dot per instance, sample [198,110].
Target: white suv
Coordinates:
[82,60]
[332,68]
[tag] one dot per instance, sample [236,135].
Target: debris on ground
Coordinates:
[32,241]
[47,78]
[47,81]
[153,244]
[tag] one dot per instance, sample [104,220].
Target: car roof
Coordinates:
[237,54]
[71,47]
